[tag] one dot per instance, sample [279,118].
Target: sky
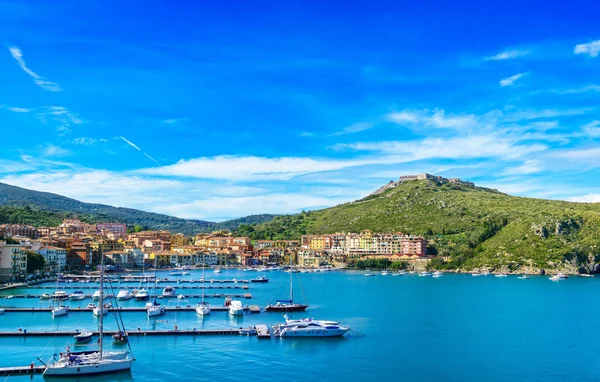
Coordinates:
[216,110]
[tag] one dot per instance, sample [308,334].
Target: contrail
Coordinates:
[137,148]
[130,143]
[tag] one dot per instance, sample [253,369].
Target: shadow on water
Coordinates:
[116,377]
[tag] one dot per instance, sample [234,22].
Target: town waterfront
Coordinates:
[456,327]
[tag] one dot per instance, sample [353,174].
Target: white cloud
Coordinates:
[19,109]
[508,54]
[51,150]
[130,143]
[592,129]
[438,118]
[583,89]
[62,117]
[511,80]
[589,198]
[87,141]
[355,128]
[307,134]
[592,49]
[37,79]
[531,166]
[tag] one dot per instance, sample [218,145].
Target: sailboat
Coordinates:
[94,362]
[203,308]
[58,296]
[154,308]
[287,305]
[142,293]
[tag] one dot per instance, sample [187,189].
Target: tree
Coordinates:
[35,262]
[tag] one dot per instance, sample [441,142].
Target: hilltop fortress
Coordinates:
[407,178]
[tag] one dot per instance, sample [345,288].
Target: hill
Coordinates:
[472,225]
[20,205]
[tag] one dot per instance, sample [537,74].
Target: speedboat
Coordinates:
[155,309]
[437,274]
[310,328]
[476,274]
[523,277]
[77,295]
[385,273]
[96,295]
[249,331]
[142,295]
[97,311]
[123,294]
[60,295]
[369,274]
[60,311]
[203,308]
[501,275]
[260,279]
[562,276]
[45,296]
[83,336]
[91,305]
[236,308]
[217,270]
[555,278]
[425,274]
[176,273]
[169,291]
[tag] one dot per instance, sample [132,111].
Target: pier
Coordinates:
[21,370]
[165,280]
[178,287]
[142,332]
[214,295]
[187,308]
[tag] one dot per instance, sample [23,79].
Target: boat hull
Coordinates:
[106,366]
[286,308]
[312,333]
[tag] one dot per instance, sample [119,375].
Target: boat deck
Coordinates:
[262,331]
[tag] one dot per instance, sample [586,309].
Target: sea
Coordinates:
[405,328]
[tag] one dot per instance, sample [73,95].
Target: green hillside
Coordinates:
[475,226]
[20,205]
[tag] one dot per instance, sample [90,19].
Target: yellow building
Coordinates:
[366,239]
[179,240]
[317,243]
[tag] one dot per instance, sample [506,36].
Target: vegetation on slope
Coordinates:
[474,226]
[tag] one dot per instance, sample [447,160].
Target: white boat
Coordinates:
[92,362]
[476,274]
[437,274]
[217,270]
[83,336]
[501,275]
[97,294]
[310,328]
[555,278]
[369,274]
[185,273]
[236,308]
[1,310]
[60,295]
[154,309]
[142,295]
[523,277]
[100,311]
[91,305]
[176,273]
[562,276]
[45,296]
[203,308]
[123,294]
[385,273]
[169,291]
[77,295]
[425,274]
[60,311]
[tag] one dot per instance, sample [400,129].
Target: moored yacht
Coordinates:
[60,295]
[123,294]
[169,291]
[77,295]
[310,328]
[425,274]
[96,295]
[260,279]
[60,311]
[385,273]
[155,309]
[203,308]
[562,276]
[142,295]
[236,308]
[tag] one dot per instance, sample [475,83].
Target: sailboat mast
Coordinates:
[203,267]
[101,303]
[291,285]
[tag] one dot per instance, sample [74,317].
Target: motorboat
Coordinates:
[476,274]
[45,296]
[142,295]
[100,311]
[60,311]
[425,274]
[96,295]
[562,276]
[236,308]
[310,328]
[249,331]
[91,305]
[185,273]
[77,295]
[181,296]
[123,294]
[120,337]
[437,274]
[523,277]
[154,309]
[203,308]
[83,336]
[176,273]
[260,279]
[555,278]
[60,295]
[217,270]
[369,274]
[385,273]
[501,275]
[169,291]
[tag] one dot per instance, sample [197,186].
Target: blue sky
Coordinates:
[221,110]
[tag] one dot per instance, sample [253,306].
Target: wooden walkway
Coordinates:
[21,370]
[262,331]
[67,286]
[178,332]
[186,308]
[172,281]
[214,295]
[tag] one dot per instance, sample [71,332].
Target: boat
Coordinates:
[249,331]
[176,273]
[437,274]
[60,310]
[501,275]
[120,337]
[1,310]
[90,362]
[555,278]
[287,305]
[236,308]
[260,279]
[217,270]
[59,295]
[523,277]
[425,274]
[91,305]
[97,294]
[385,273]
[100,310]
[203,307]
[310,328]
[369,274]
[153,308]
[562,276]
[476,274]
[77,295]
[169,291]
[180,296]
[185,273]
[142,295]
[123,294]
[45,296]
[83,336]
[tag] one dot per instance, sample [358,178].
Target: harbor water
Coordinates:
[410,328]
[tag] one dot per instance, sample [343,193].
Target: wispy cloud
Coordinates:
[87,141]
[307,134]
[130,143]
[592,129]
[37,79]
[508,55]
[51,150]
[531,166]
[511,80]
[589,198]
[172,121]
[583,89]
[355,128]
[437,118]
[591,49]
[61,116]
[19,109]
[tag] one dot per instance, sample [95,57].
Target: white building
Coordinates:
[56,258]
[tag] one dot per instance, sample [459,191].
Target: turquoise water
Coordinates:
[453,328]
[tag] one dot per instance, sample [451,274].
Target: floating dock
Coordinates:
[186,308]
[166,332]
[22,370]
[214,295]
[262,331]
[67,286]
[173,281]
